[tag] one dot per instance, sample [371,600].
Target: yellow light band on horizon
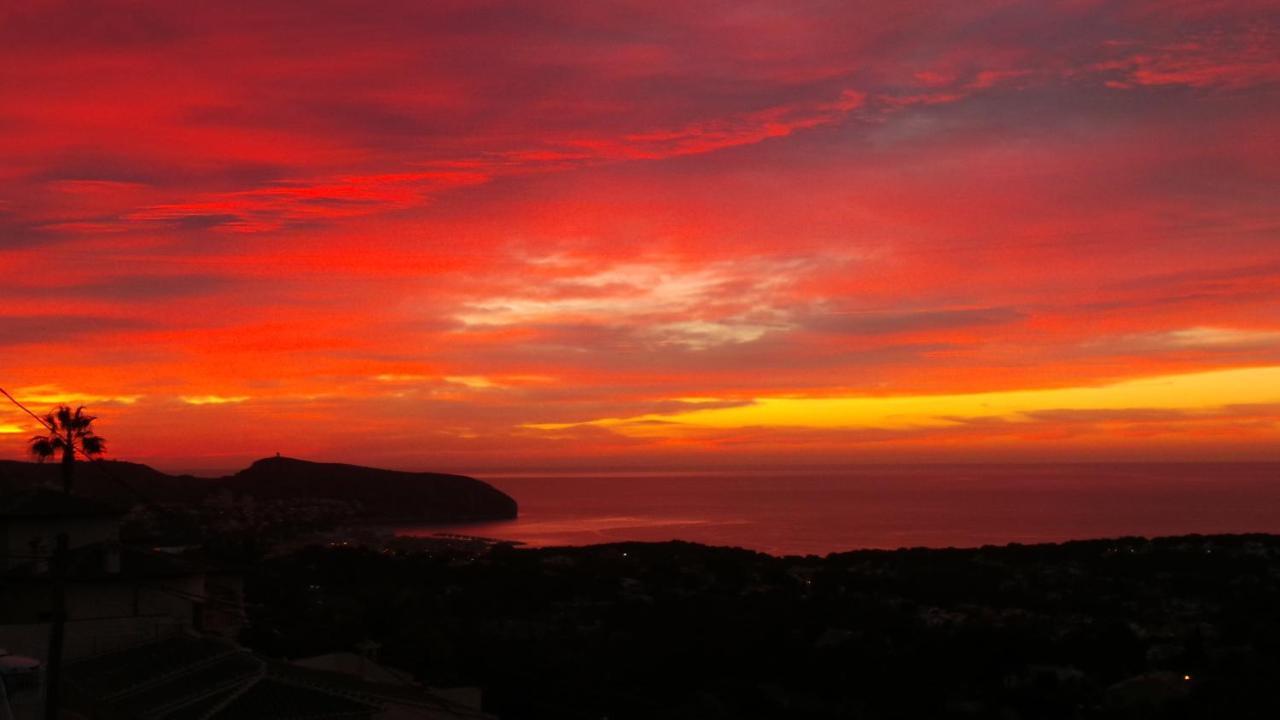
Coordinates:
[1193,392]
[213,399]
[53,395]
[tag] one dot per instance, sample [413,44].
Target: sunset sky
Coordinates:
[476,235]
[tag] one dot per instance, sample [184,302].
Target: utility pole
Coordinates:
[57,629]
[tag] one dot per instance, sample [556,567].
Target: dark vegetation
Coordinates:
[1167,628]
[93,482]
[70,432]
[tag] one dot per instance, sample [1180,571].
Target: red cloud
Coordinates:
[283,202]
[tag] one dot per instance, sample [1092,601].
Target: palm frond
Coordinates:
[41,447]
[80,421]
[67,426]
[93,445]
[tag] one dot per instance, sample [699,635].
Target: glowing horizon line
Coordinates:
[1187,392]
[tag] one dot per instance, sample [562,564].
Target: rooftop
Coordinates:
[190,678]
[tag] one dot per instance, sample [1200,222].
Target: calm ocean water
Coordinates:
[825,511]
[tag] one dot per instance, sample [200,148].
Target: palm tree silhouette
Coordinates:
[69,431]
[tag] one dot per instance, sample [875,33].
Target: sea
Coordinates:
[820,511]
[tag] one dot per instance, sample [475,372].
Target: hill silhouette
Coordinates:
[410,495]
[387,494]
[104,482]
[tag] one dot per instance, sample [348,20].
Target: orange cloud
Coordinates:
[498,219]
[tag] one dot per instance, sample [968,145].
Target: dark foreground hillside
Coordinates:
[361,494]
[1183,627]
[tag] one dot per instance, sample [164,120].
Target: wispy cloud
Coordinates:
[1216,337]
[545,214]
[213,399]
[657,301]
[42,395]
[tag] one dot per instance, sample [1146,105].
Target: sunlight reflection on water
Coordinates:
[886,507]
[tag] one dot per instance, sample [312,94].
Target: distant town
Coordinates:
[234,606]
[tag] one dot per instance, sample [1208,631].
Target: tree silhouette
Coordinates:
[69,431]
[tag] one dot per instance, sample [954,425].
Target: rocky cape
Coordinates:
[391,495]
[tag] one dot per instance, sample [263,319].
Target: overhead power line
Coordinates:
[24,409]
